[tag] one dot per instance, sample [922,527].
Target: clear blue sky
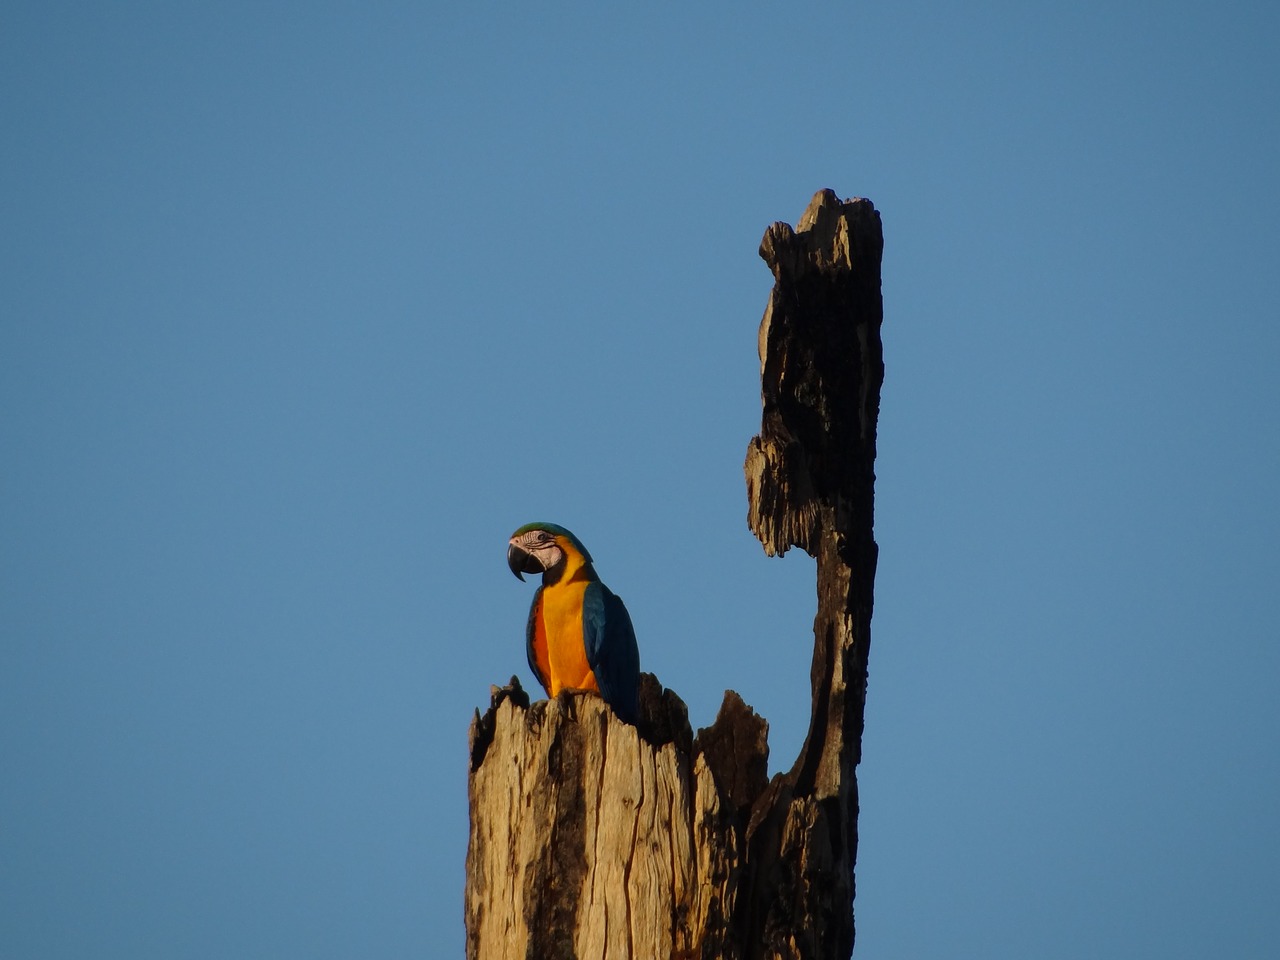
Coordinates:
[306,306]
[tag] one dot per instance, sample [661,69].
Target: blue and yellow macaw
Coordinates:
[579,635]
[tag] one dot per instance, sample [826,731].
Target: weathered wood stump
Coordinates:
[591,838]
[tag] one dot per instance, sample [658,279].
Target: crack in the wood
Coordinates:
[671,852]
[525,794]
[626,870]
[595,853]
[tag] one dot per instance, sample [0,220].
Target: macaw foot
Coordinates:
[568,699]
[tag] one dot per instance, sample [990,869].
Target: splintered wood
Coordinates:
[587,840]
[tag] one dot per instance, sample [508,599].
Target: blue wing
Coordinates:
[611,649]
[530,632]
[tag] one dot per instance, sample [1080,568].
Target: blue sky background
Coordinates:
[306,306]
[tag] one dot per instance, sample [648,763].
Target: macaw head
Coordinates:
[542,548]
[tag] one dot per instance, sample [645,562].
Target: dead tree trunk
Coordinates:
[594,839]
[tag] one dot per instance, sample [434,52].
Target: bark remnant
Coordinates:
[811,483]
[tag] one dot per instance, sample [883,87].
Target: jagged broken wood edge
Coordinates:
[590,837]
[736,744]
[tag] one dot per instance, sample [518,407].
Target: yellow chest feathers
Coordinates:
[559,638]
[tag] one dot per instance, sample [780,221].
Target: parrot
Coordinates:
[579,635]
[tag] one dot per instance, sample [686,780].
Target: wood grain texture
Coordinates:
[591,838]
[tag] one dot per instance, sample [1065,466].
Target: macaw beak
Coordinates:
[521,561]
